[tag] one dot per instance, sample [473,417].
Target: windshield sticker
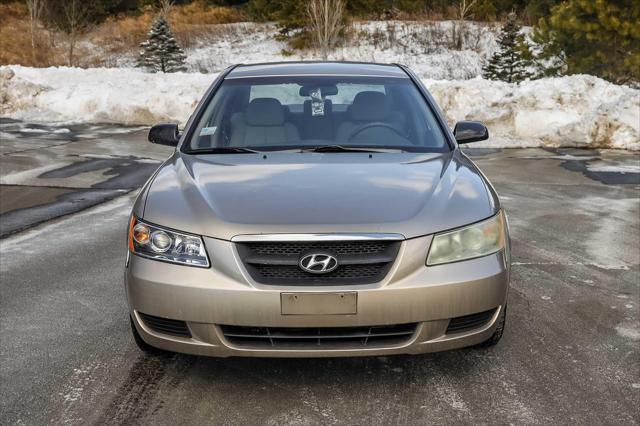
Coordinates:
[317,103]
[208,131]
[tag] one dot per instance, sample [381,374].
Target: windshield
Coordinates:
[281,113]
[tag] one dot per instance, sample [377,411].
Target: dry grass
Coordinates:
[15,38]
[117,37]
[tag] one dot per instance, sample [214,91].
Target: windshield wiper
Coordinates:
[225,150]
[340,148]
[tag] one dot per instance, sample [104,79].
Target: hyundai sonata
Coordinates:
[317,209]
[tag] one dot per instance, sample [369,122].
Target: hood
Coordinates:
[221,196]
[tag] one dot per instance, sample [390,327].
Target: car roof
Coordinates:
[317,68]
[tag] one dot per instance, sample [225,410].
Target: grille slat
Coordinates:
[469,322]
[359,262]
[311,337]
[166,325]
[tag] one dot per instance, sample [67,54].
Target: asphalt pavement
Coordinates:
[570,353]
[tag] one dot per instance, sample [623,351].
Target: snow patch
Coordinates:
[629,331]
[603,167]
[426,47]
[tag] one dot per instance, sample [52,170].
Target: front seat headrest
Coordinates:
[265,112]
[369,106]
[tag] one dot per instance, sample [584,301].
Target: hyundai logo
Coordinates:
[318,263]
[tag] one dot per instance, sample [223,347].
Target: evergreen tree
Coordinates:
[600,37]
[509,63]
[161,51]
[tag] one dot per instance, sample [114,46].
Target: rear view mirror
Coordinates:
[470,131]
[164,134]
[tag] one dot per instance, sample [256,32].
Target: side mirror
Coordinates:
[164,134]
[470,131]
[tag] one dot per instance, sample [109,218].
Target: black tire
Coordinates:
[497,334]
[144,346]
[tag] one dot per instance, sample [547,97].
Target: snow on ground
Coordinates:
[569,111]
[427,48]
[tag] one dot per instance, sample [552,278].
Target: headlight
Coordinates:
[479,239]
[163,244]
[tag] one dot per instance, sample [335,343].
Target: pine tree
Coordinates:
[509,63]
[600,37]
[161,51]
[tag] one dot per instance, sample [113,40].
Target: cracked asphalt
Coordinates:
[570,354]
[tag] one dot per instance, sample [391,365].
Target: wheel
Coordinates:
[142,345]
[497,334]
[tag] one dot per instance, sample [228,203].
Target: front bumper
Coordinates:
[225,294]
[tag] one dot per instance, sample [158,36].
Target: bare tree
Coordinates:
[75,21]
[464,11]
[326,19]
[465,8]
[35,8]
[165,7]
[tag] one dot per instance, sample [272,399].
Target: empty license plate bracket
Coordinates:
[334,303]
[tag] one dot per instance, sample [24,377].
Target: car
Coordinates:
[317,209]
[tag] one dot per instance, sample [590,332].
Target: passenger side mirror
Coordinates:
[470,131]
[164,134]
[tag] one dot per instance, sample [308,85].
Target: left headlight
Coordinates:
[166,245]
[480,239]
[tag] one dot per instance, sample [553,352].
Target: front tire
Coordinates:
[142,345]
[497,334]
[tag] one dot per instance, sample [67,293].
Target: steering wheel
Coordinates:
[364,127]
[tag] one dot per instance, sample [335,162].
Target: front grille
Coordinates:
[469,322]
[165,325]
[313,337]
[346,271]
[359,262]
[338,247]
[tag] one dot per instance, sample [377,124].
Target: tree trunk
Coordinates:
[33,42]
[326,22]
[72,42]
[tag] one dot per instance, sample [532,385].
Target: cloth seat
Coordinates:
[263,123]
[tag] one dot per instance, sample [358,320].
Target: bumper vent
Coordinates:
[314,337]
[165,325]
[469,322]
[359,262]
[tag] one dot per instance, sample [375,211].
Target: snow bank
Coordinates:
[574,111]
[577,111]
[99,95]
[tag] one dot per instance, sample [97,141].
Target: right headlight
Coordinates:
[167,245]
[477,240]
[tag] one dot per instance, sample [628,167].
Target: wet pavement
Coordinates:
[570,354]
[49,171]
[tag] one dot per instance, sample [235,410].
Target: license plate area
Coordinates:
[339,303]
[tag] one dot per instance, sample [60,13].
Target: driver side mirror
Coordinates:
[164,134]
[470,131]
